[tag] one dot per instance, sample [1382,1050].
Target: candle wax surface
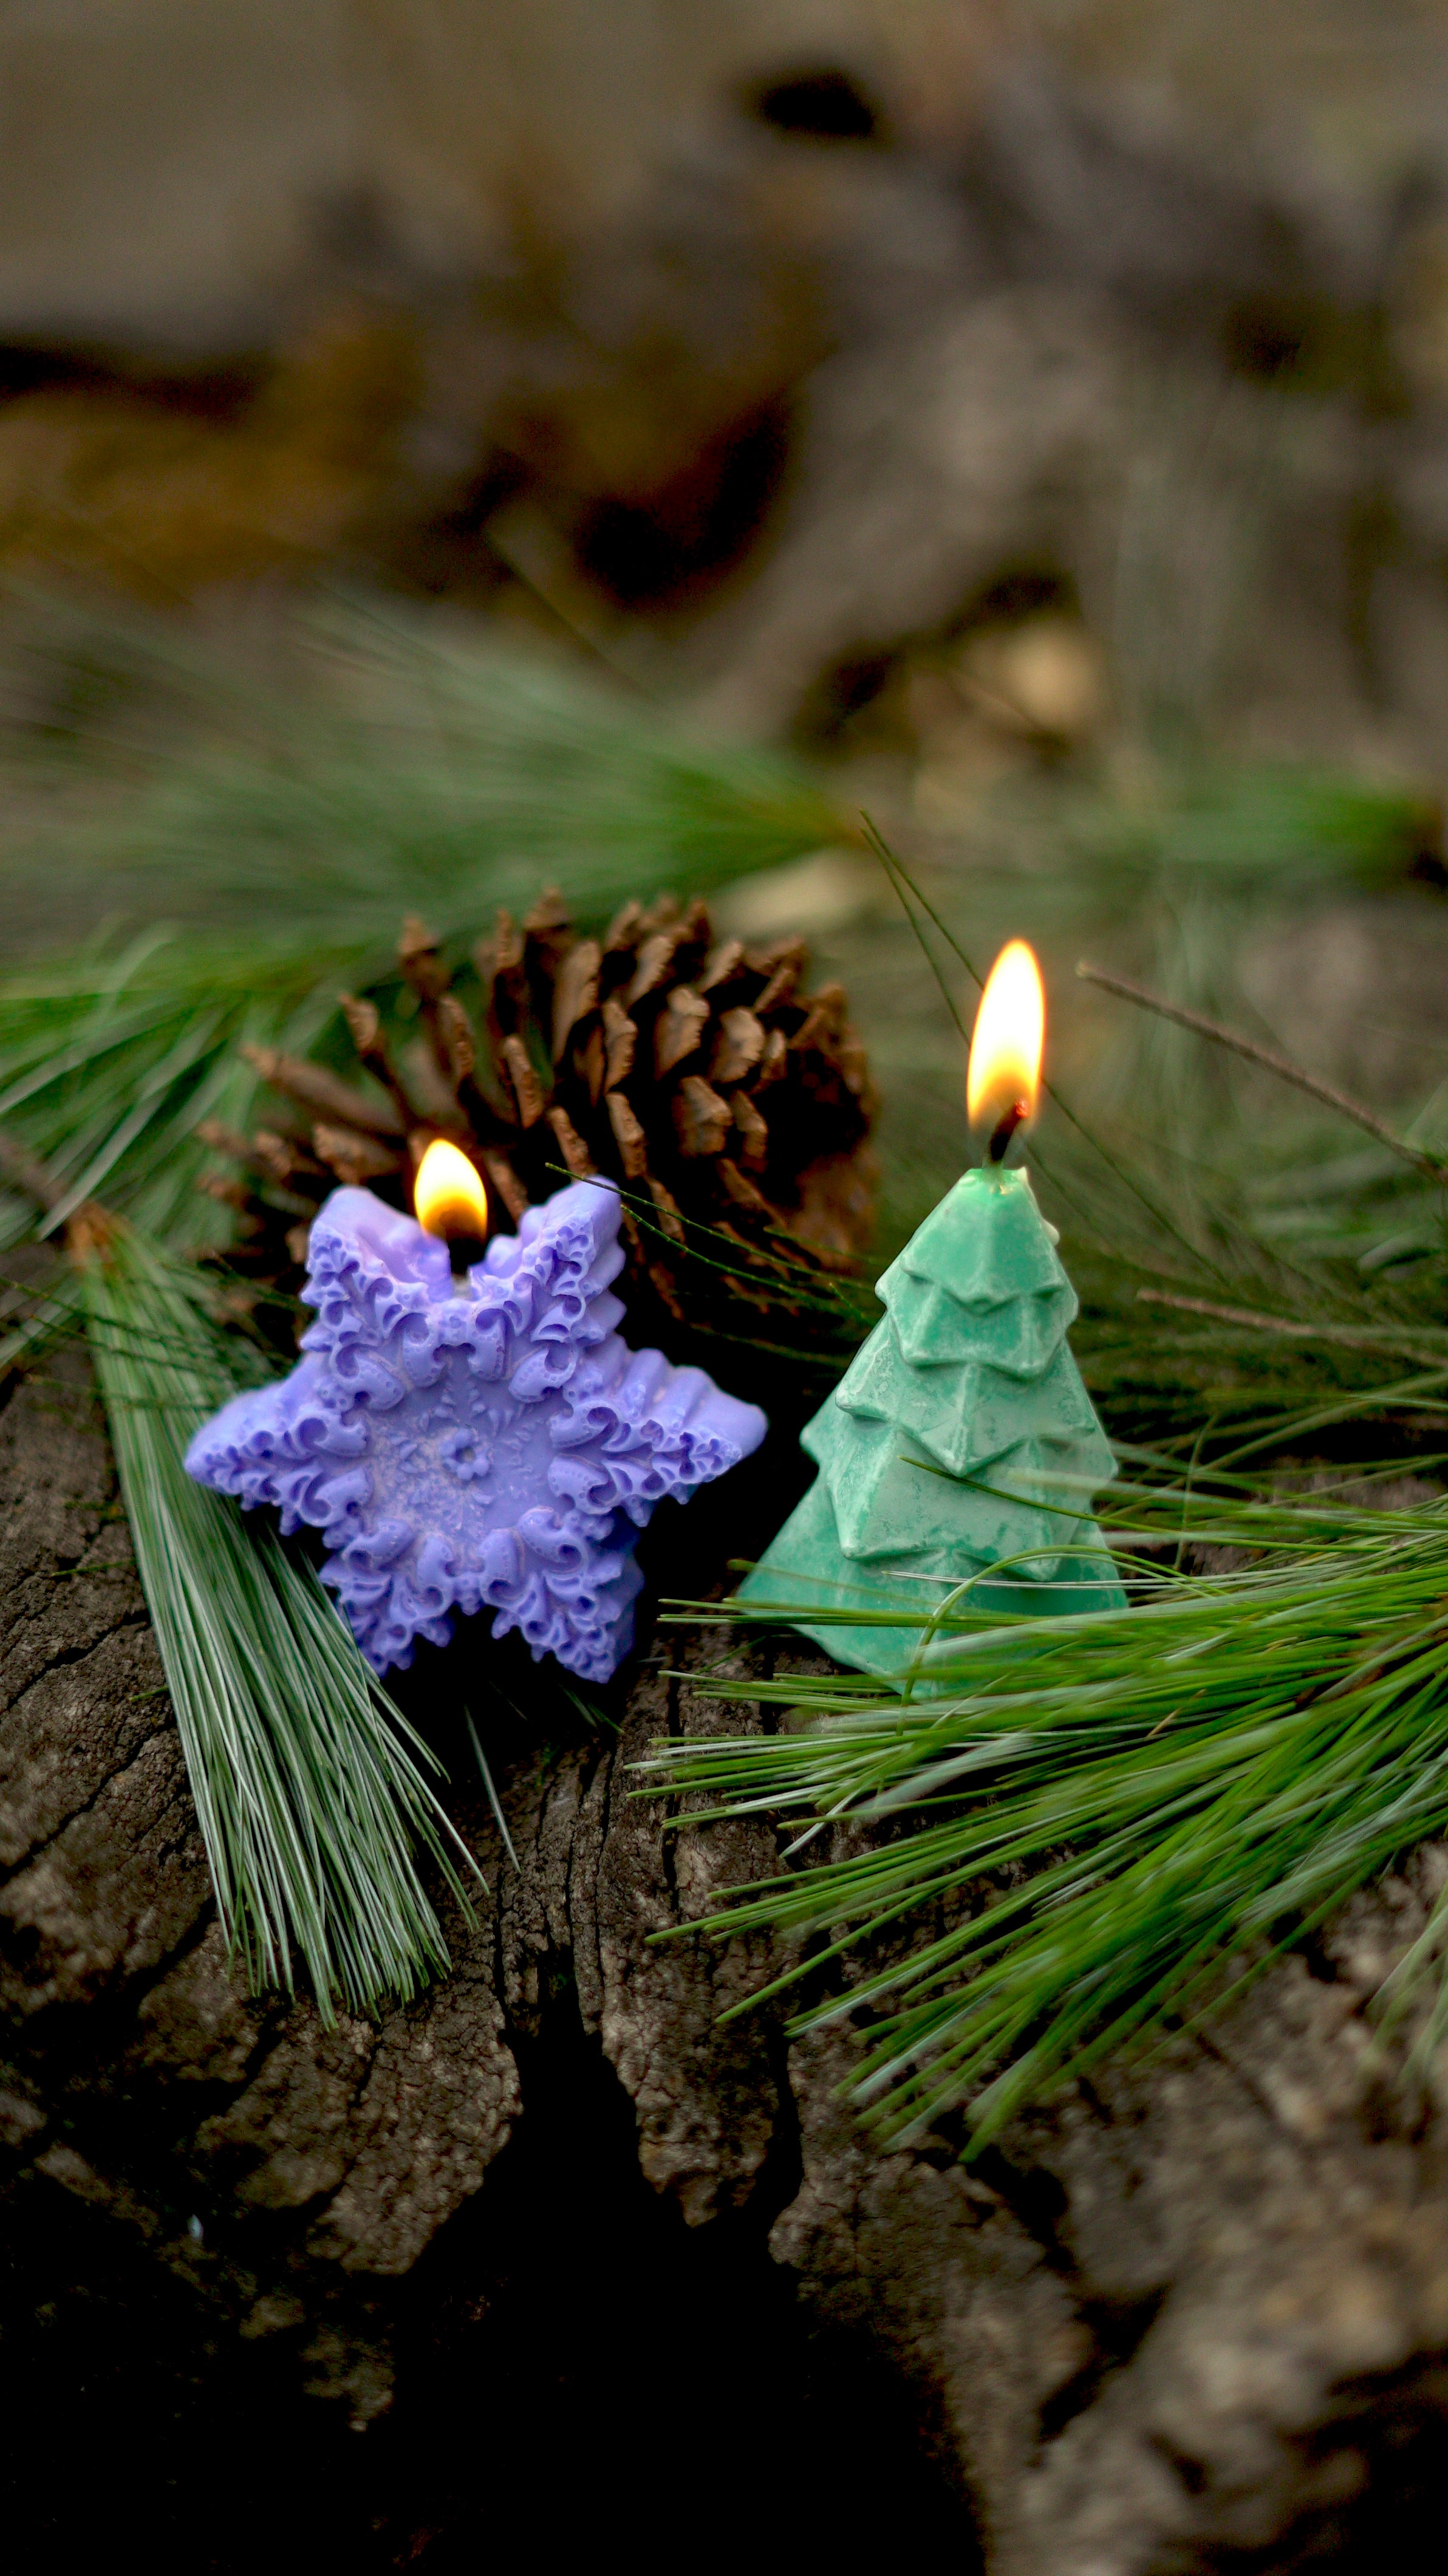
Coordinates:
[970,1374]
[490,1445]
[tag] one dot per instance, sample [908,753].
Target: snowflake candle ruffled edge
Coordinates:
[535,1324]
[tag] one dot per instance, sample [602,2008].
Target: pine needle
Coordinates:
[309,1785]
[1189,1783]
[275,859]
[1431,1166]
[404,769]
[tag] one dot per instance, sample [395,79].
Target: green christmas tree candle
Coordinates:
[961,1447]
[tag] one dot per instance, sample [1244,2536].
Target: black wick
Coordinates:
[1002,1133]
[462,1251]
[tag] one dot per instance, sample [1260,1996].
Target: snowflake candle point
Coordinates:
[490,1446]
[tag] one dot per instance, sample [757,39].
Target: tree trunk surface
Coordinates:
[549,2233]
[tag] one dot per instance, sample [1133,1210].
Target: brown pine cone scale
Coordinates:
[733,1107]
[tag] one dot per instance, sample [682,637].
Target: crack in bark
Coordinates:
[34,1853]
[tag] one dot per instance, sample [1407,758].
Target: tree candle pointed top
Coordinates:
[961,1447]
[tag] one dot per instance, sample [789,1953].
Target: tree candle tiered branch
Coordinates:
[960,1452]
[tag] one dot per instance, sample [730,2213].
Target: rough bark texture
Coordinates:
[551,2227]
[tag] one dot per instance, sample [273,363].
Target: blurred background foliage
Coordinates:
[451,447]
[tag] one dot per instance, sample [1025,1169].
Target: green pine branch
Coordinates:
[1100,1822]
[311,1789]
[402,769]
[273,859]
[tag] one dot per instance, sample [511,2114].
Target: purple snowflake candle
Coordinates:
[489,1442]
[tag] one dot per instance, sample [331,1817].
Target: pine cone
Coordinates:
[733,1107]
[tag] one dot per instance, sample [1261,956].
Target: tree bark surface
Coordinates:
[1191,2317]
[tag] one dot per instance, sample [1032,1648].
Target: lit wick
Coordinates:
[450,1201]
[1004,1073]
[1000,1137]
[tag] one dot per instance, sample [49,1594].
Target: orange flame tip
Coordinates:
[1010,1034]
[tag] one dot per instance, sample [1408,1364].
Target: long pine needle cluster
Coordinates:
[310,1787]
[1095,1824]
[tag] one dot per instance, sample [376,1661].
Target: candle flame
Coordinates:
[1010,1032]
[448,1193]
